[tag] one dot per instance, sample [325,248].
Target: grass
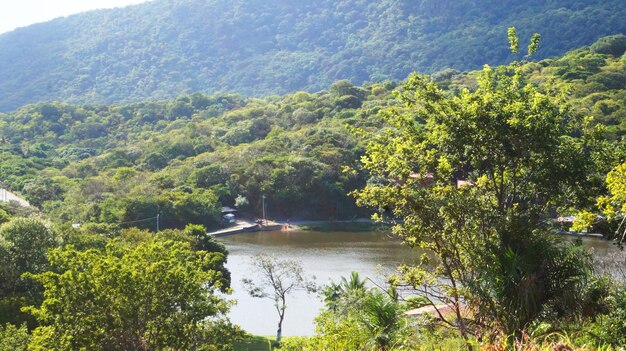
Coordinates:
[447,342]
[255,343]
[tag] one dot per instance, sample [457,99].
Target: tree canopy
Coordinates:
[165,48]
[473,178]
[158,295]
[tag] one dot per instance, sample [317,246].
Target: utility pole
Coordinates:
[263,208]
[157,218]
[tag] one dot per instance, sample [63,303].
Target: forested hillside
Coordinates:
[165,48]
[470,168]
[182,158]
[185,157]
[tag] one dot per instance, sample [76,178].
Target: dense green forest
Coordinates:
[165,48]
[471,167]
[179,158]
[183,158]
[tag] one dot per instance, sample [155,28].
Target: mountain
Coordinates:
[165,48]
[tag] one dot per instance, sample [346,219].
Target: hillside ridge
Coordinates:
[165,48]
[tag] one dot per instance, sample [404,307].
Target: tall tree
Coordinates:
[24,245]
[472,178]
[283,277]
[158,295]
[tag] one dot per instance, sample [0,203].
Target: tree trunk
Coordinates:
[281,316]
[280,329]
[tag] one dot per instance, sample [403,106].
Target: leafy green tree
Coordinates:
[13,338]
[154,161]
[208,243]
[513,39]
[208,176]
[24,245]
[41,189]
[283,277]
[383,320]
[27,241]
[471,179]
[241,202]
[203,241]
[199,207]
[345,296]
[357,318]
[4,216]
[611,328]
[612,205]
[158,295]
[193,235]
[612,45]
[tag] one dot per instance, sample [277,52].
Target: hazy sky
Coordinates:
[20,13]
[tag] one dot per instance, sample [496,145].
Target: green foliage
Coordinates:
[615,203]
[285,147]
[254,343]
[471,178]
[193,235]
[27,241]
[435,339]
[41,189]
[241,202]
[203,241]
[4,216]
[262,48]
[208,176]
[346,296]
[612,205]
[13,338]
[383,320]
[24,244]
[186,168]
[513,39]
[534,44]
[332,335]
[357,318]
[611,327]
[157,295]
[612,45]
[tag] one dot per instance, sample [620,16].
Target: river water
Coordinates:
[325,255]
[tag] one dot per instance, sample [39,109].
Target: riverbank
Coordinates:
[357,225]
[242,226]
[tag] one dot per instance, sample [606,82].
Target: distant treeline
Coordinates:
[165,48]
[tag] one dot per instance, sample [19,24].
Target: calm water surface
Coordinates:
[326,255]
